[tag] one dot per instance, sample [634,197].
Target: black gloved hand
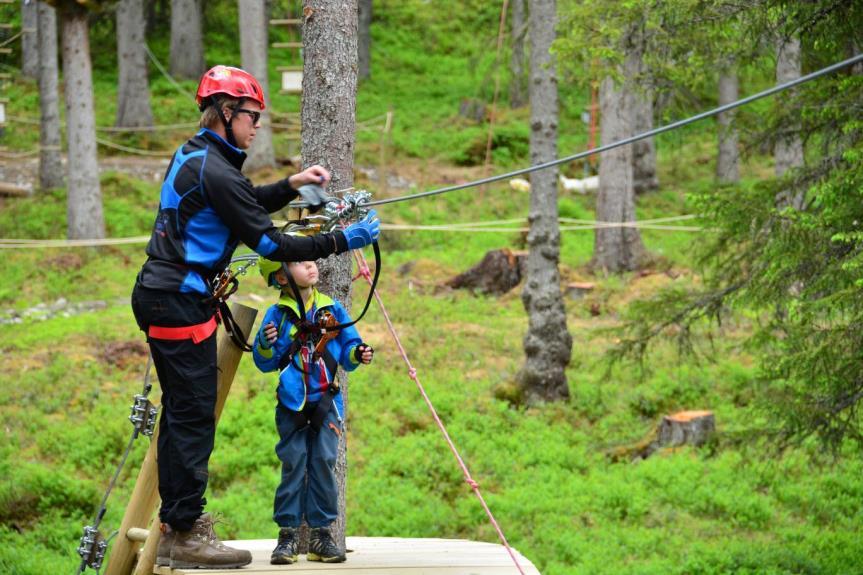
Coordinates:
[315,196]
[360,350]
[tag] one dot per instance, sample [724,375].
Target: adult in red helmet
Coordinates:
[207,207]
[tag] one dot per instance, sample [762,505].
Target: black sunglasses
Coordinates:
[256,116]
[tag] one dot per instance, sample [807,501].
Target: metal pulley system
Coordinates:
[351,206]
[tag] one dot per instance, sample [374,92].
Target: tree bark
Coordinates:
[640,93]
[364,40]
[728,157]
[29,39]
[187,41]
[84,208]
[615,249]
[517,88]
[50,160]
[133,91]
[547,344]
[328,127]
[254,40]
[788,151]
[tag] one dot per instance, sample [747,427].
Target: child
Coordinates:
[309,411]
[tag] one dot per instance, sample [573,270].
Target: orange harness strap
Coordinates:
[197,333]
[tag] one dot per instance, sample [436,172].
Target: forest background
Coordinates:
[737,505]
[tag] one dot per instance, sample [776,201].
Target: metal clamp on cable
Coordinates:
[92,548]
[143,416]
[351,206]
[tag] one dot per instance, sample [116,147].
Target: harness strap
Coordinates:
[197,333]
[314,415]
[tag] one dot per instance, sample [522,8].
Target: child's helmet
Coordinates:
[267,269]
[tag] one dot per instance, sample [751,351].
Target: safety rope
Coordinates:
[492,116]
[412,373]
[11,243]
[648,134]
[165,73]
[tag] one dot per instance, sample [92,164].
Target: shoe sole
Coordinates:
[163,561]
[284,559]
[191,565]
[316,557]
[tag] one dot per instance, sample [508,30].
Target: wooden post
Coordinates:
[145,497]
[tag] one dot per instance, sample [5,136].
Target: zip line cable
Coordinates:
[650,133]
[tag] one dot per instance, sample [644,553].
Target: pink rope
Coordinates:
[412,373]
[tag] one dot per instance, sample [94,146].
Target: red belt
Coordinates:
[197,333]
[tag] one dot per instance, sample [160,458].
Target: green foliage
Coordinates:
[797,271]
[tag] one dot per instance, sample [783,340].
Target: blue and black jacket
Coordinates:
[207,207]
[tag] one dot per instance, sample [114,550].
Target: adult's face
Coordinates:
[246,121]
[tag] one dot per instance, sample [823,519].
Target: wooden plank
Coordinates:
[145,496]
[386,555]
[286,22]
[287,44]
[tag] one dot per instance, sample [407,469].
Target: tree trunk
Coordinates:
[29,39]
[640,93]
[547,344]
[615,249]
[728,157]
[517,88]
[133,92]
[84,196]
[50,161]
[187,41]
[364,40]
[254,40]
[328,126]
[788,151]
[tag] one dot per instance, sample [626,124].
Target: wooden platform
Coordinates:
[388,555]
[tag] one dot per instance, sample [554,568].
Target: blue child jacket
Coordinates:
[296,388]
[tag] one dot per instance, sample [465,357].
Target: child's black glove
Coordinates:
[364,353]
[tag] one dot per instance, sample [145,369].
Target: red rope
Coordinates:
[412,373]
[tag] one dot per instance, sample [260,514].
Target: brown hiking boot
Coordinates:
[166,542]
[199,548]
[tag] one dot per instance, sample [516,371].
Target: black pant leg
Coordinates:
[188,378]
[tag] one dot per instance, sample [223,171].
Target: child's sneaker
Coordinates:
[322,547]
[285,552]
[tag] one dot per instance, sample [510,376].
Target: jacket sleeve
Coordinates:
[274,197]
[348,338]
[267,356]
[235,201]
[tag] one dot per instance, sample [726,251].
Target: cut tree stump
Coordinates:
[686,428]
[497,273]
[681,428]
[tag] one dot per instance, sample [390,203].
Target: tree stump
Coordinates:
[686,428]
[497,273]
[681,428]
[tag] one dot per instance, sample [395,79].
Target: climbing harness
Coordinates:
[353,205]
[93,544]
[224,285]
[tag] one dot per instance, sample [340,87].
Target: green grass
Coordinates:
[730,507]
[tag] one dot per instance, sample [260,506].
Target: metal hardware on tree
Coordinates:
[91,548]
[143,416]
[353,205]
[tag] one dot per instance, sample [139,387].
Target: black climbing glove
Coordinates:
[360,350]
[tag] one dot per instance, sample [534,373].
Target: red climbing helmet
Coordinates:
[231,81]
